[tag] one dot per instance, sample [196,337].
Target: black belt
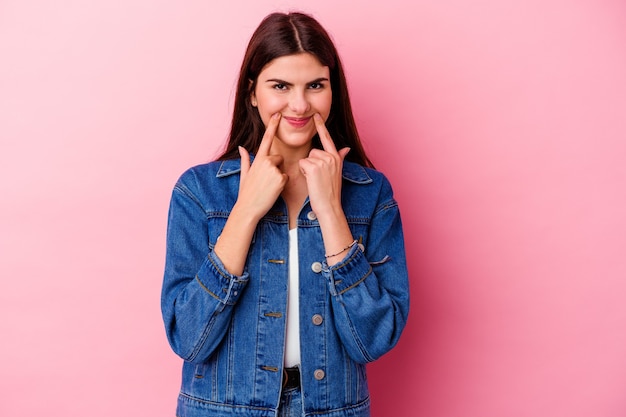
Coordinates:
[291,378]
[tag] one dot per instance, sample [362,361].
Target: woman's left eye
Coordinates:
[316,86]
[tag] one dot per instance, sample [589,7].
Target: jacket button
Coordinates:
[362,247]
[317,319]
[311,215]
[316,267]
[319,374]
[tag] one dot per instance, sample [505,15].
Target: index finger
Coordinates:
[327,141]
[268,137]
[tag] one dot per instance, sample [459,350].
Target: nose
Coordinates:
[298,102]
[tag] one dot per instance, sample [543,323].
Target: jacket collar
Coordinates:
[351,172]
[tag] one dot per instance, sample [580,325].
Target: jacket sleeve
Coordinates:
[198,294]
[369,287]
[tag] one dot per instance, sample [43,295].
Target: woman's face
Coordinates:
[297,86]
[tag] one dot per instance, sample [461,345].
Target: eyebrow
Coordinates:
[288,84]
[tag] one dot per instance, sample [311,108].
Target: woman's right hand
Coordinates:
[261,182]
[260,185]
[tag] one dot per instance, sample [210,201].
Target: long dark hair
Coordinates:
[281,34]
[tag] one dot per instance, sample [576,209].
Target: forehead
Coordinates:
[302,66]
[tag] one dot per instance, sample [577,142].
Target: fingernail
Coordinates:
[275,115]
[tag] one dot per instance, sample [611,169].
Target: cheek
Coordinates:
[323,103]
[269,105]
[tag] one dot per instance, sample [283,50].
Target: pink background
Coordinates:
[501,124]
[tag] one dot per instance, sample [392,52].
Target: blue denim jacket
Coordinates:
[230,330]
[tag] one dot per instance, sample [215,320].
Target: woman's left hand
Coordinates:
[323,172]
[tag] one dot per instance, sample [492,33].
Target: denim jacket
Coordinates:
[230,330]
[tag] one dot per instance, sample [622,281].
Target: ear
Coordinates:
[252,95]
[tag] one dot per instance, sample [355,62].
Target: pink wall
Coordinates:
[501,124]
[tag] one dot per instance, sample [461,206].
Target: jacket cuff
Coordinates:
[348,273]
[219,283]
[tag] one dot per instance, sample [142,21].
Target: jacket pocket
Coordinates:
[215,225]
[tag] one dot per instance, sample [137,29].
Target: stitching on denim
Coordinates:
[181,188]
[218,269]
[215,374]
[219,404]
[337,266]
[356,175]
[230,365]
[349,384]
[357,340]
[203,338]
[276,220]
[360,405]
[358,282]
[358,220]
[382,261]
[206,289]
[386,206]
[217,214]
[225,172]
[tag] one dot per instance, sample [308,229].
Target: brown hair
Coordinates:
[281,34]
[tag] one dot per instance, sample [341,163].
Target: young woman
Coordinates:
[285,270]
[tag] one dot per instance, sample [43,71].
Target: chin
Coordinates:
[296,140]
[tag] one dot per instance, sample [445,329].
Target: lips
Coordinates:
[297,122]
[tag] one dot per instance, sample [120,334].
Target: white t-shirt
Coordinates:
[292,345]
